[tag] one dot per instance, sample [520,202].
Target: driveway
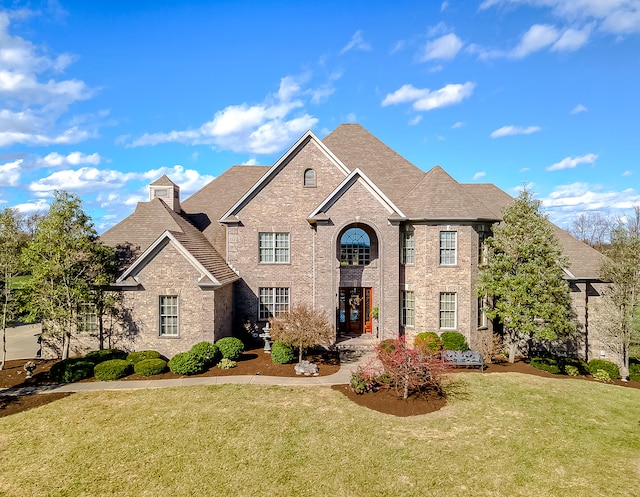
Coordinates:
[22,342]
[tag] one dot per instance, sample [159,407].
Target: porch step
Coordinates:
[356,343]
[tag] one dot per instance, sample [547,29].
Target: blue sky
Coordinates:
[100,98]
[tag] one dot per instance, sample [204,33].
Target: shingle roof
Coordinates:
[208,204]
[163,180]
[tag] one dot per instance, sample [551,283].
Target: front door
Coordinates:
[354,312]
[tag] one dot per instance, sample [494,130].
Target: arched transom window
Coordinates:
[355,247]
[309,178]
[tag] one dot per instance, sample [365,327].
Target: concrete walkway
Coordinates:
[349,361]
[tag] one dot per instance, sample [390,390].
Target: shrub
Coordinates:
[548,364]
[602,375]
[453,340]
[143,355]
[208,351]
[150,367]
[571,370]
[363,381]
[98,356]
[230,348]
[281,353]
[71,370]
[227,364]
[571,362]
[612,369]
[112,369]
[634,371]
[187,363]
[428,342]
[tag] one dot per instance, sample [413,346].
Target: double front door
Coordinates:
[354,310]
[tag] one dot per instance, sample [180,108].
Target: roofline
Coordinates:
[308,136]
[367,184]
[155,247]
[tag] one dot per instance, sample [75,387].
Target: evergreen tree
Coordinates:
[522,280]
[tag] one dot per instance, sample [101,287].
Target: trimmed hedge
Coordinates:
[608,366]
[634,371]
[428,342]
[209,352]
[98,356]
[150,367]
[281,353]
[143,355]
[71,370]
[112,370]
[230,348]
[558,365]
[453,340]
[548,364]
[187,363]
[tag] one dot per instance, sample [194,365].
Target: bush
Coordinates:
[227,364]
[281,353]
[98,356]
[230,348]
[143,355]
[548,364]
[208,351]
[428,342]
[150,367]
[112,369]
[452,340]
[634,371]
[602,375]
[612,369]
[571,370]
[363,381]
[71,370]
[187,363]
[570,362]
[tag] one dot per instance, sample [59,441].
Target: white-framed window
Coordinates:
[448,241]
[408,304]
[168,308]
[482,317]
[273,302]
[87,318]
[448,311]
[309,178]
[483,233]
[407,244]
[273,248]
[355,247]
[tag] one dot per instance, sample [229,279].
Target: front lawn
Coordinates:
[503,434]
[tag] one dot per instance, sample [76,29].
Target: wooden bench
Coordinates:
[464,358]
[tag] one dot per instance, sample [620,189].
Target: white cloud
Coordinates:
[457,125]
[578,109]
[514,130]
[415,120]
[572,39]
[478,175]
[627,173]
[444,48]
[581,197]
[54,159]
[257,129]
[10,173]
[424,99]
[572,162]
[538,37]
[39,205]
[356,43]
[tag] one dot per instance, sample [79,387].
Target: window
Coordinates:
[482,317]
[483,234]
[309,178]
[355,248]
[160,192]
[448,311]
[408,303]
[273,302]
[448,248]
[408,248]
[87,318]
[168,315]
[273,248]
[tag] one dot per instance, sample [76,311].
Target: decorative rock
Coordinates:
[306,368]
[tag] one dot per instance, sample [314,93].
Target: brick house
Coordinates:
[344,224]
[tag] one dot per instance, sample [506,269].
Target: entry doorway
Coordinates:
[354,310]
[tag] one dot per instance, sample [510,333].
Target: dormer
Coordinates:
[165,189]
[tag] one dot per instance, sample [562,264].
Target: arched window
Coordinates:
[309,178]
[355,248]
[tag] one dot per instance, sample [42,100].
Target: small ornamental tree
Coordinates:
[302,327]
[522,279]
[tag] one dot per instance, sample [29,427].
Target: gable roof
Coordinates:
[163,180]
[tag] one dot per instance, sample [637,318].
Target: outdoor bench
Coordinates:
[463,358]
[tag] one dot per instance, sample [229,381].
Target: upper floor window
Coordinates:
[273,247]
[407,247]
[355,248]
[309,178]
[272,302]
[483,234]
[448,248]
[408,303]
[168,315]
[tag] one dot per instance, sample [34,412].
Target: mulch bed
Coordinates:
[255,362]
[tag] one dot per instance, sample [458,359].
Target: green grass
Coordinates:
[500,435]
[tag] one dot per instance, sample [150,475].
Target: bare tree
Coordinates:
[593,228]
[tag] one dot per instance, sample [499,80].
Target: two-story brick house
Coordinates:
[344,225]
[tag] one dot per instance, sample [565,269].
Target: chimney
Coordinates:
[166,190]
